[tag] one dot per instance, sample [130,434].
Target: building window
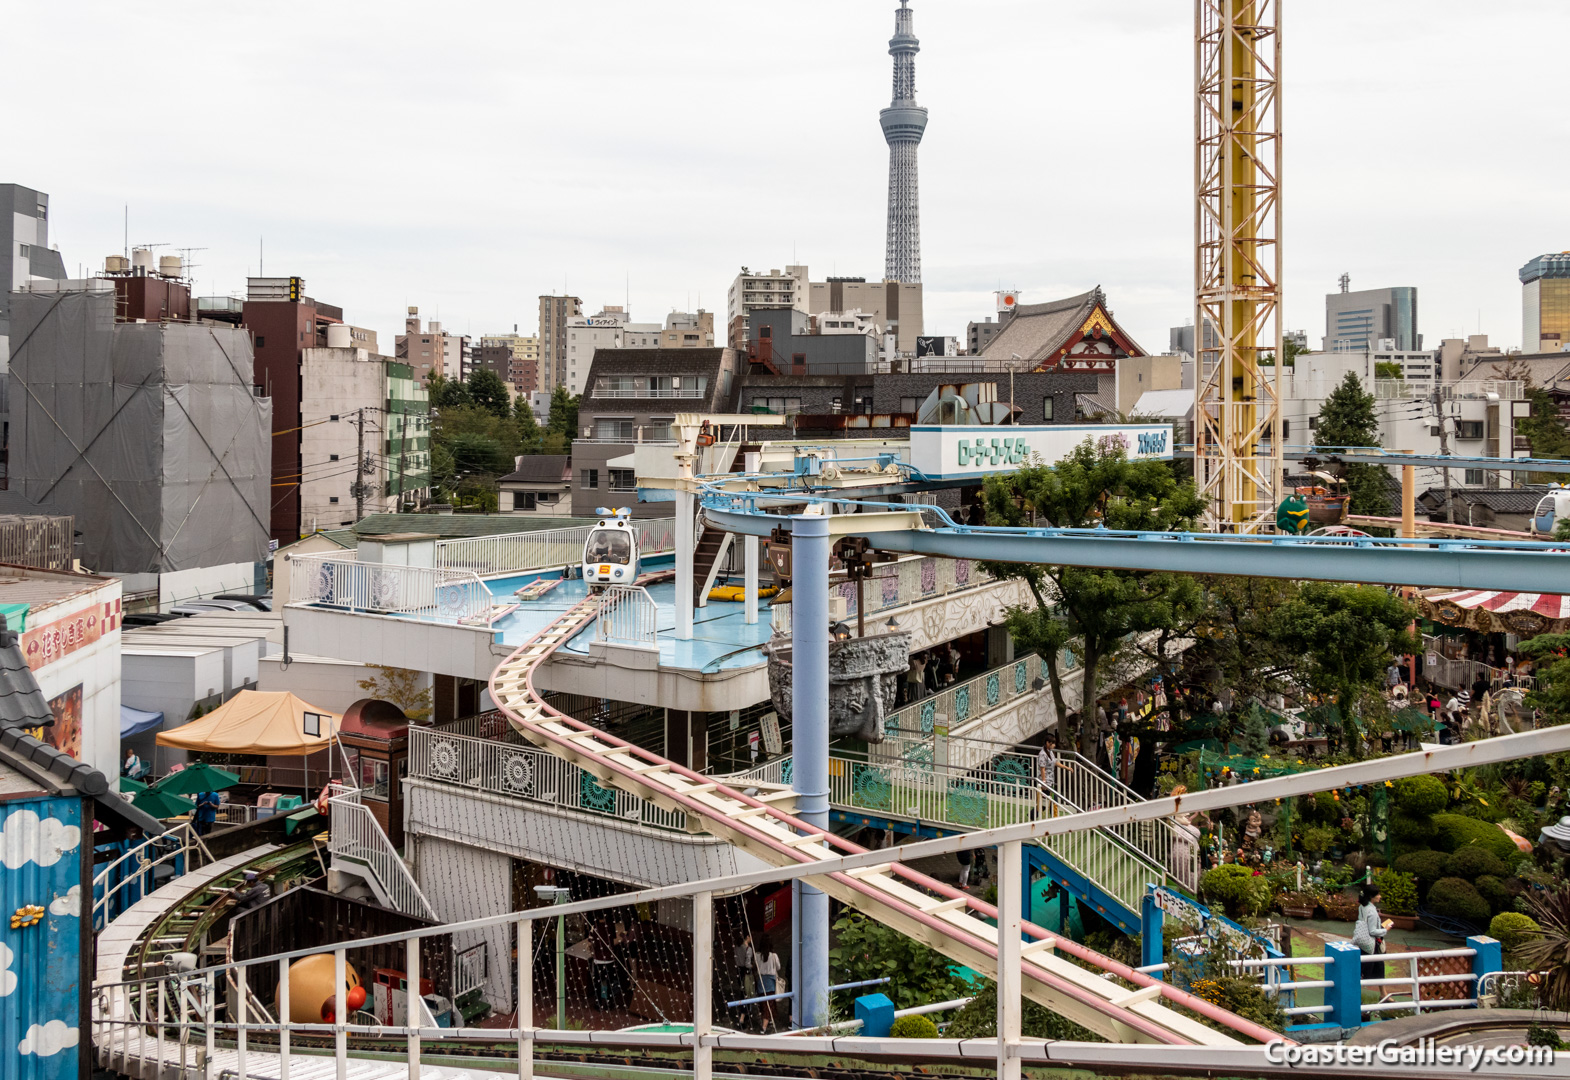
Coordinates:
[1286,430]
[1313,422]
[334,416]
[1469,429]
[608,429]
[332,457]
[523,500]
[1046,409]
[260,341]
[332,498]
[589,478]
[779,406]
[373,779]
[311,724]
[624,480]
[22,250]
[1474,478]
[909,404]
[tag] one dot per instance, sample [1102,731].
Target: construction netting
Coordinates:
[150,434]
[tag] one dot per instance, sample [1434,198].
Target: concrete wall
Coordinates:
[462,883]
[338,382]
[323,681]
[170,680]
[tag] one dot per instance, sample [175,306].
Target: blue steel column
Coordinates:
[809,677]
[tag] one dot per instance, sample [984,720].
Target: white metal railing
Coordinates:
[430,594]
[358,837]
[470,969]
[1401,389]
[916,723]
[628,616]
[134,868]
[1460,674]
[910,580]
[525,772]
[607,393]
[542,549]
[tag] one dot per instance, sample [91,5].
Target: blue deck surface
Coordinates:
[721,640]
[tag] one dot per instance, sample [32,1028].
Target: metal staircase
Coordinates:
[356,837]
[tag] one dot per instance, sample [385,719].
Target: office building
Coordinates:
[1545,304]
[1369,318]
[610,329]
[523,370]
[554,313]
[433,350]
[688,330]
[786,341]
[771,290]
[895,306]
[372,410]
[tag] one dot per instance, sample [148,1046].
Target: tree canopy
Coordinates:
[1350,417]
[487,391]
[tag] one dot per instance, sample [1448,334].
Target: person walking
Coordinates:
[964,857]
[915,678]
[767,964]
[1368,933]
[741,960]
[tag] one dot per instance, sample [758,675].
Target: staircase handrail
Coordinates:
[356,835]
[182,840]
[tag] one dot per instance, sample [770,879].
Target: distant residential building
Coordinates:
[1418,366]
[497,359]
[433,350]
[1456,355]
[978,335]
[750,291]
[610,329]
[524,370]
[1370,317]
[147,430]
[895,306]
[24,232]
[539,484]
[1545,303]
[555,311]
[688,330]
[354,387]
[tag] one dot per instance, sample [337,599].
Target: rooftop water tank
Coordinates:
[170,266]
[141,259]
[116,264]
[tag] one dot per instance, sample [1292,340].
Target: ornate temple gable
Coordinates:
[1094,346]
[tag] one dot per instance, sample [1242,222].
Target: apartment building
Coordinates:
[433,350]
[750,291]
[555,311]
[895,306]
[523,369]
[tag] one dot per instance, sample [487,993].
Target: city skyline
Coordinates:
[1050,193]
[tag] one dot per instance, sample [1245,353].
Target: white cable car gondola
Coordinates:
[1552,509]
[610,554]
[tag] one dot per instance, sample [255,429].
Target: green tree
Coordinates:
[1389,369]
[1550,438]
[1095,485]
[1349,417]
[1550,655]
[487,391]
[918,975]
[563,418]
[445,393]
[530,435]
[475,454]
[1347,635]
[401,687]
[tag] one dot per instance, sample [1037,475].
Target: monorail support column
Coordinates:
[810,752]
[750,580]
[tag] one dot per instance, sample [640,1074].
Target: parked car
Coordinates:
[253,600]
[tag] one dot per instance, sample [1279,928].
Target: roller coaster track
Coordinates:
[1107,997]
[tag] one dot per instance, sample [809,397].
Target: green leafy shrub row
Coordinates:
[1398,892]
[1458,899]
[1452,832]
[913,1027]
[1510,928]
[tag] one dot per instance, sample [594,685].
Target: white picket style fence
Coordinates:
[426,593]
[628,616]
[356,835]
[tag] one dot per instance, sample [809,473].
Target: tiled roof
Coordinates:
[1499,500]
[453,526]
[539,469]
[1544,369]
[1035,330]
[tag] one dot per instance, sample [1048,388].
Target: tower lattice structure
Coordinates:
[1237,323]
[903,122]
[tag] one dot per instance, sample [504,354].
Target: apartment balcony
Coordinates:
[693,394]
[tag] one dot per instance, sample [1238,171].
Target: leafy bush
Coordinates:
[1420,796]
[1452,832]
[1474,862]
[979,1020]
[864,949]
[1318,837]
[1236,888]
[1496,892]
[1242,997]
[1457,899]
[1510,928]
[913,1027]
[1398,892]
[1427,866]
[1414,831]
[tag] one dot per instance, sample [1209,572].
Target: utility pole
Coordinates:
[1444,450]
[359,468]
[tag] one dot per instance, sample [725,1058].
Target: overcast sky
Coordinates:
[466,157]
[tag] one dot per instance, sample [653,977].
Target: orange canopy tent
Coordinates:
[258,722]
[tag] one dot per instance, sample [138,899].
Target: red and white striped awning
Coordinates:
[1548,605]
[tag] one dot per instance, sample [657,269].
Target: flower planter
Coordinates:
[1298,912]
[1401,922]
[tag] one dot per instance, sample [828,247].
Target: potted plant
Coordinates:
[1339,906]
[1398,898]
[1298,905]
[1317,839]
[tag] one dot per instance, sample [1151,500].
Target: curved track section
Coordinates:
[1130,1007]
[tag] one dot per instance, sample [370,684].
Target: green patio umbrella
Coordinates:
[161,804]
[195,779]
[135,787]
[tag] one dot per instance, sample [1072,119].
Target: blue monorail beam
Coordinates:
[1430,563]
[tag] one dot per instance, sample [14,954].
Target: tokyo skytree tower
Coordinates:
[903,124]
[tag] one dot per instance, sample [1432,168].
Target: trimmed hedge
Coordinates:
[1457,899]
[913,1027]
[1453,832]
[1420,796]
[1427,866]
[1473,862]
[1236,888]
[1496,892]
[1510,928]
[1398,891]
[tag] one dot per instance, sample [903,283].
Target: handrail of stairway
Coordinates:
[351,821]
[188,842]
[580,616]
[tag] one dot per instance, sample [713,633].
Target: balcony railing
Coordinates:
[1402,390]
[900,584]
[660,394]
[543,549]
[430,594]
[627,617]
[524,772]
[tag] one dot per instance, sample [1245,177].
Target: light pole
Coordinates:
[556,894]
